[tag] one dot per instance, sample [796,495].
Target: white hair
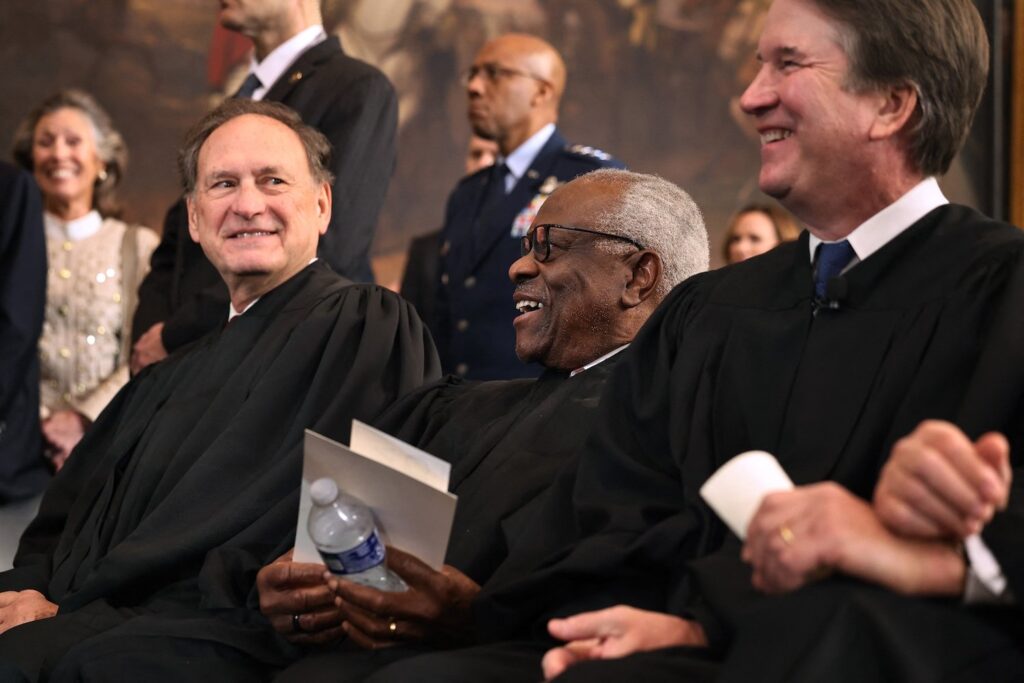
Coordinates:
[659,216]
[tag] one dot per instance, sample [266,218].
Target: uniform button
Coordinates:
[470,282]
[461,369]
[90,339]
[65,352]
[68,246]
[100,329]
[462,325]
[444,278]
[64,273]
[117,297]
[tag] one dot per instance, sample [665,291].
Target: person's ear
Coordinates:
[897,105]
[193,221]
[645,274]
[543,94]
[323,207]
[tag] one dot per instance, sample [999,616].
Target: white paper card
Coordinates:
[398,455]
[735,491]
[410,514]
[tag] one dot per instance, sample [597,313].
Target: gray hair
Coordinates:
[110,145]
[656,214]
[315,144]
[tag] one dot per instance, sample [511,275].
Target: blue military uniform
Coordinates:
[474,311]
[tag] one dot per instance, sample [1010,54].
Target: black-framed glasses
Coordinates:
[494,72]
[538,241]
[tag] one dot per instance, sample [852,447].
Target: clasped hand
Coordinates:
[936,488]
[307,605]
[21,607]
[435,608]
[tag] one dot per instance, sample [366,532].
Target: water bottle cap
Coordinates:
[323,491]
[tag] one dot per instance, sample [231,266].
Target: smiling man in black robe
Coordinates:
[603,251]
[893,309]
[143,555]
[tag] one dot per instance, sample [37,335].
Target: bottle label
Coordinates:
[366,555]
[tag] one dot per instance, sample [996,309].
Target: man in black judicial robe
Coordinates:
[507,440]
[351,102]
[143,556]
[909,312]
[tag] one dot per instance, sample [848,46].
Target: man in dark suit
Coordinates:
[514,88]
[349,101]
[23,471]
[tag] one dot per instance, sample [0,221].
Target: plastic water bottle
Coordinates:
[344,532]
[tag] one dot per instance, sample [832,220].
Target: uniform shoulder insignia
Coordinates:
[587,151]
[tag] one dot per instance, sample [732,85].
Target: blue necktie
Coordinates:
[249,86]
[830,260]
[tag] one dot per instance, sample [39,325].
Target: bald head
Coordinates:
[515,85]
[538,55]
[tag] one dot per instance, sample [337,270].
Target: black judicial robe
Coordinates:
[507,441]
[188,481]
[930,327]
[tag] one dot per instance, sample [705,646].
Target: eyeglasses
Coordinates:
[538,241]
[493,72]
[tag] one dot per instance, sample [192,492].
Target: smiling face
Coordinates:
[814,129]
[570,305]
[752,234]
[65,162]
[256,210]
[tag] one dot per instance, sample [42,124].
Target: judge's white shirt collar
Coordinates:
[887,224]
[520,160]
[283,56]
[75,230]
[599,360]
[232,313]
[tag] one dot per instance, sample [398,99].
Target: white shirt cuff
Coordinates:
[985,581]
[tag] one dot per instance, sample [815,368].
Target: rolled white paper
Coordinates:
[735,491]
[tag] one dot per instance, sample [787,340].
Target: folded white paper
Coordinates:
[735,491]
[405,487]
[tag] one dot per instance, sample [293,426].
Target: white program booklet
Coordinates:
[406,488]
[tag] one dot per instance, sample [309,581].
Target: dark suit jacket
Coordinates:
[23,471]
[420,276]
[354,105]
[473,309]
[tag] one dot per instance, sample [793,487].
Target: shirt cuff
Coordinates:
[985,583]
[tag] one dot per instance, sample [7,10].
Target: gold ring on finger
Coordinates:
[787,534]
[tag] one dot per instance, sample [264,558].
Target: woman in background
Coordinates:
[96,262]
[755,229]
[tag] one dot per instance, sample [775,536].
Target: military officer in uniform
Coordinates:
[514,87]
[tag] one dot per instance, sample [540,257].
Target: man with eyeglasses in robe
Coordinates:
[513,87]
[602,253]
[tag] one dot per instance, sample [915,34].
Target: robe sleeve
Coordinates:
[375,351]
[634,516]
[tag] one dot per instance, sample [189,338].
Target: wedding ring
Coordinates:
[787,534]
[296,624]
[392,626]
